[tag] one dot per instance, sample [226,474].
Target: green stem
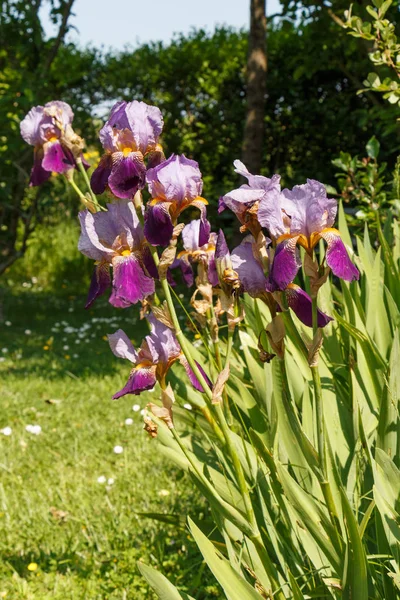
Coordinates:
[77,190]
[82,169]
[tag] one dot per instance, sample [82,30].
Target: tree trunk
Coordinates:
[256,87]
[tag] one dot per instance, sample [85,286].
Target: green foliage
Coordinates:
[336,537]
[385,51]
[367,185]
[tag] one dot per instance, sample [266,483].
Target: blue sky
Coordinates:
[115,23]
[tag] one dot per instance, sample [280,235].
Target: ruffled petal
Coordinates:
[248,268]
[98,232]
[337,258]
[100,175]
[175,179]
[121,346]
[301,304]
[162,343]
[285,265]
[158,226]
[127,174]
[31,126]
[56,158]
[130,284]
[100,281]
[193,379]
[140,380]
[38,174]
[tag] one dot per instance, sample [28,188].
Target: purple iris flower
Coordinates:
[194,253]
[255,283]
[151,362]
[115,238]
[130,134]
[174,185]
[244,201]
[303,216]
[44,127]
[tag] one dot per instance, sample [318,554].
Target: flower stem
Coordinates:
[82,169]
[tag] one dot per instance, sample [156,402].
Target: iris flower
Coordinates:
[251,275]
[194,253]
[130,134]
[115,238]
[303,216]
[45,128]
[244,201]
[174,185]
[151,362]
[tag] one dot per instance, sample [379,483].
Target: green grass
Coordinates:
[85,537]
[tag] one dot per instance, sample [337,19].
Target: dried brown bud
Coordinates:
[276,335]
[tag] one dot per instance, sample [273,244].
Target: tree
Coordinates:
[33,70]
[256,87]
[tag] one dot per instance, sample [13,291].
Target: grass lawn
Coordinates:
[65,533]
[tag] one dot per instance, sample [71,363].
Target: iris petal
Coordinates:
[337,258]
[285,265]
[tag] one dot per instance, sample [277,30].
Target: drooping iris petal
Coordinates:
[193,379]
[140,380]
[127,174]
[258,182]
[190,236]
[60,111]
[56,158]
[301,304]
[285,265]
[212,272]
[248,268]
[100,175]
[101,280]
[204,226]
[158,226]
[121,346]
[38,174]
[130,284]
[337,258]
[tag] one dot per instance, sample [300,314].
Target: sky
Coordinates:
[116,23]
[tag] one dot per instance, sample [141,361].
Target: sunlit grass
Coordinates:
[63,534]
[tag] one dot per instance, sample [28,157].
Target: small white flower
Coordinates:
[28,332]
[18,356]
[4,350]
[136,407]
[77,341]
[118,449]
[8,323]
[34,279]
[163,492]
[143,412]
[34,429]
[75,356]
[128,421]
[110,481]
[2,359]
[70,309]
[66,347]
[181,296]
[187,406]
[6,431]
[101,479]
